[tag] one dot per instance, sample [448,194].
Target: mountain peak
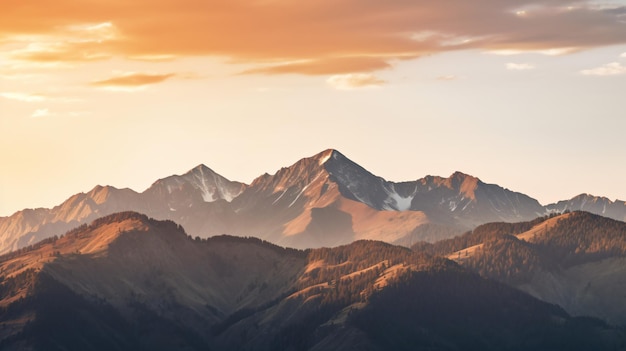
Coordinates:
[591,197]
[328,154]
[461,175]
[200,169]
[583,199]
[99,194]
[465,183]
[94,238]
[324,156]
[211,185]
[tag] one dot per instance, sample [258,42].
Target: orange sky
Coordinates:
[76,74]
[309,36]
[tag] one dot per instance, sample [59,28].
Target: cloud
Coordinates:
[45,112]
[42,112]
[23,97]
[7,75]
[34,98]
[623,55]
[67,44]
[320,37]
[610,69]
[548,52]
[61,52]
[132,81]
[519,66]
[354,81]
[153,58]
[324,66]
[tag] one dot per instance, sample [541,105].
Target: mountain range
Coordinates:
[323,200]
[128,282]
[437,263]
[576,260]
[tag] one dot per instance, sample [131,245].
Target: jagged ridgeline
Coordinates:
[128,282]
[323,200]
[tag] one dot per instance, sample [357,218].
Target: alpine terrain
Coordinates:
[128,282]
[576,260]
[323,200]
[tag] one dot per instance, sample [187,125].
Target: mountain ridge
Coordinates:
[147,285]
[576,260]
[326,192]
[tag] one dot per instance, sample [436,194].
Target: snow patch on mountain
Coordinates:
[304,189]
[401,203]
[466,205]
[211,186]
[279,197]
[453,205]
[397,202]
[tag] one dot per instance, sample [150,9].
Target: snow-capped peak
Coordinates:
[212,186]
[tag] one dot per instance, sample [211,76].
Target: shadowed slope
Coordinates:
[127,282]
[576,260]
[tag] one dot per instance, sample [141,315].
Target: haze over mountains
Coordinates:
[323,200]
[576,260]
[127,282]
[98,266]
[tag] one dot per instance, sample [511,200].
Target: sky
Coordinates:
[528,95]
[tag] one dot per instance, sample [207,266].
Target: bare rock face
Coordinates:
[181,198]
[323,200]
[593,204]
[280,207]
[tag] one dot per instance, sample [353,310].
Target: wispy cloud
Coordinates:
[42,112]
[46,112]
[610,69]
[132,81]
[34,98]
[557,51]
[519,66]
[66,44]
[327,37]
[623,55]
[354,81]
[154,58]
[324,66]
[23,97]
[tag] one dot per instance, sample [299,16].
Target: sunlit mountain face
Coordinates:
[575,260]
[445,263]
[162,185]
[527,94]
[323,200]
[128,282]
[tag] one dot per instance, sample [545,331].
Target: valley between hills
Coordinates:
[321,255]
